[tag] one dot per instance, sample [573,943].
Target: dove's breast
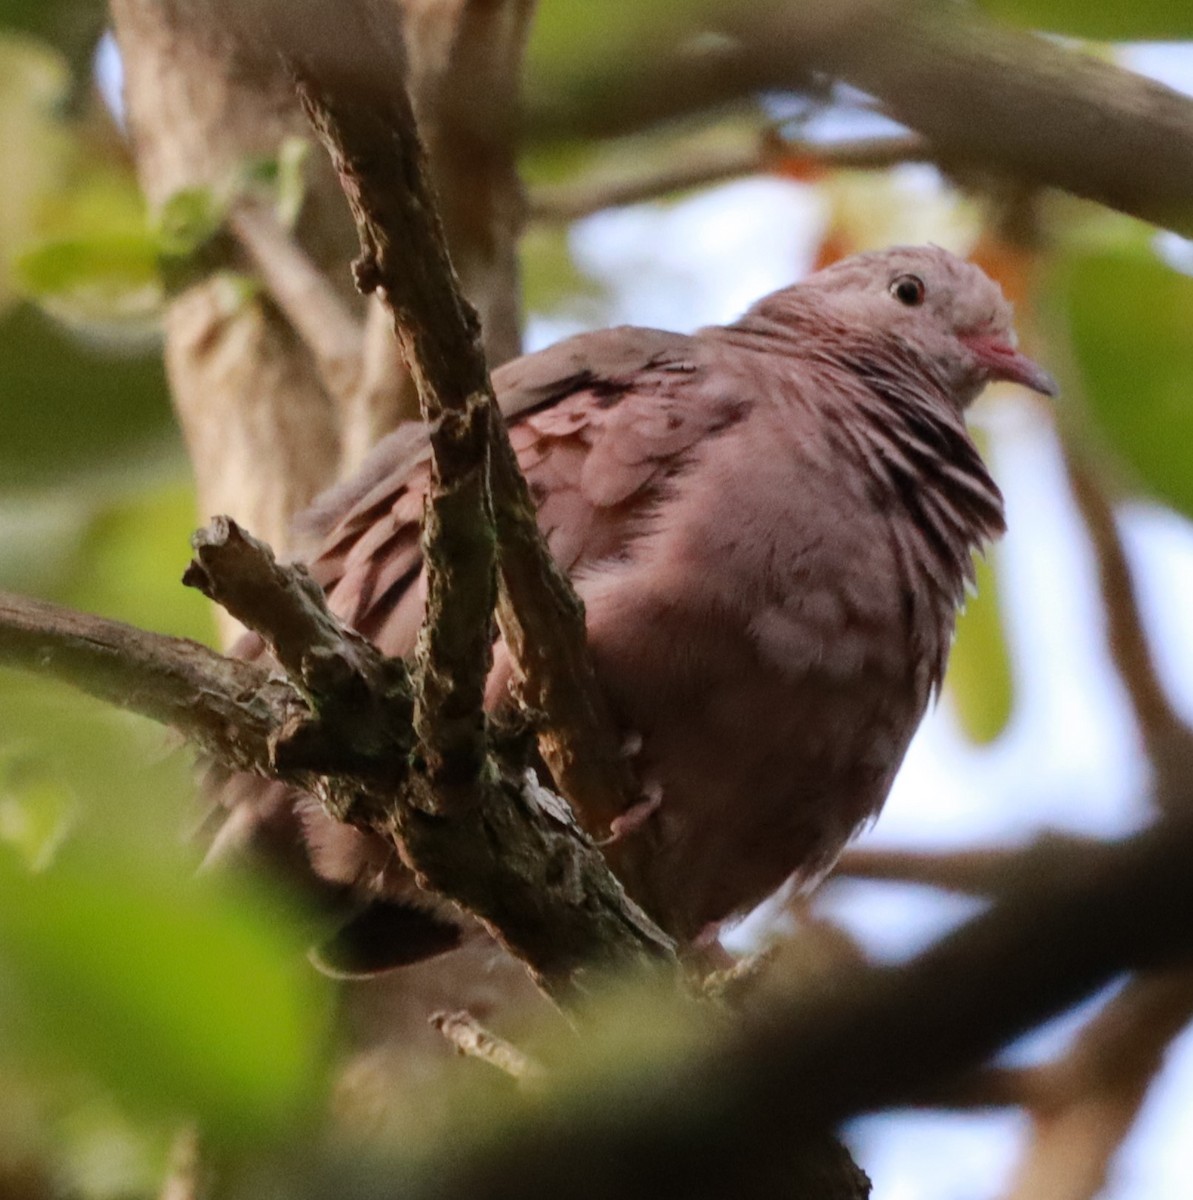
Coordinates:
[761,641]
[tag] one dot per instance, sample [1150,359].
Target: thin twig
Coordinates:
[328,327]
[768,153]
[986,870]
[1167,738]
[471,1038]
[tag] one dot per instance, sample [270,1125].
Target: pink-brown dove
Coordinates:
[771,525]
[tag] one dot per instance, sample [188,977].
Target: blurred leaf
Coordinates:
[979,680]
[72,26]
[33,85]
[131,562]
[89,771]
[95,261]
[1131,322]
[291,182]
[65,405]
[189,218]
[94,276]
[177,995]
[121,555]
[1102,20]
[35,809]
[282,175]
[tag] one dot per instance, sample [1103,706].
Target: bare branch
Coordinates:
[361,701]
[511,854]
[1084,1105]
[471,1038]
[1168,740]
[228,707]
[570,201]
[731,1101]
[365,120]
[375,147]
[987,870]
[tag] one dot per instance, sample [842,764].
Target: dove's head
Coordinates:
[944,310]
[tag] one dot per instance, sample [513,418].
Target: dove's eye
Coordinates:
[908,289]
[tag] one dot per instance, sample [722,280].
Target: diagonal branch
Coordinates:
[1166,736]
[364,118]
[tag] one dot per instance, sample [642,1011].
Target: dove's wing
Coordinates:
[598,422]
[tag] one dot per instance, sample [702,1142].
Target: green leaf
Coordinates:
[178,995]
[188,219]
[120,554]
[1101,20]
[980,683]
[102,268]
[33,84]
[1131,323]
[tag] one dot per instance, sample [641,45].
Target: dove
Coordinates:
[771,524]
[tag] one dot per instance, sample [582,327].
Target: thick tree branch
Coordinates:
[980,92]
[508,851]
[375,147]
[361,702]
[722,1108]
[519,863]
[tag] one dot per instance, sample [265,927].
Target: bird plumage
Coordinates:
[771,525]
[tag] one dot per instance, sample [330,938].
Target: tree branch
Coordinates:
[471,1038]
[713,1113]
[508,851]
[1083,1106]
[1166,737]
[333,333]
[981,93]
[769,153]
[230,708]
[987,870]
[363,115]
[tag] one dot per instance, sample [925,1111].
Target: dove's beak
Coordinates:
[1002,361]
